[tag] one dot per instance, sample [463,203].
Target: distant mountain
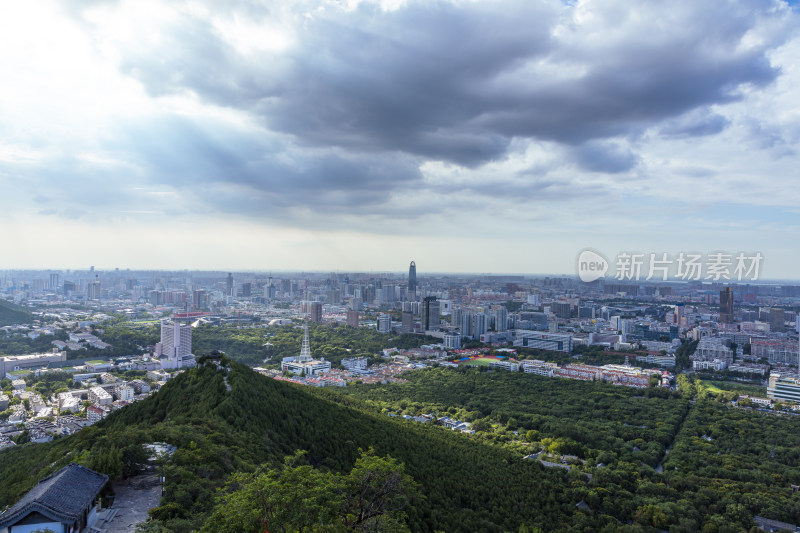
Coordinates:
[226,421]
[13,314]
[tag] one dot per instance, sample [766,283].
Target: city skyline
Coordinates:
[471,136]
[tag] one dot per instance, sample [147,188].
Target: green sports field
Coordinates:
[481,361]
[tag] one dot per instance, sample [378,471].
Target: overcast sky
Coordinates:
[468,136]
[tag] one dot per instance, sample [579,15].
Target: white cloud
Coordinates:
[395,125]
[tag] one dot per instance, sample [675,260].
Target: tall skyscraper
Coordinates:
[352,319]
[726,306]
[412,281]
[53,282]
[229,285]
[430,314]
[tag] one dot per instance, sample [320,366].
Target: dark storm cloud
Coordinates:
[457,83]
[341,120]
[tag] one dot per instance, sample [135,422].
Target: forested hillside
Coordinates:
[13,314]
[725,465]
[465,485]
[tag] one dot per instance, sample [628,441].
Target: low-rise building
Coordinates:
[105,377]
[355,363]
[784,387]
[139,386]
[559,342]
[540,368]
[310,368]
[64,501]
[99,366]
[124,392]
[94,414]
[505,364]
[99,396]
[11,363]
[710,348]
[716,364]
[657,359]
[157,375]
[749,368]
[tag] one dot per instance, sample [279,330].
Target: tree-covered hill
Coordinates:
[13,314]
[465,485]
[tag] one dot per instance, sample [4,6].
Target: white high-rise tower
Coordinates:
[175,348]
[305,348]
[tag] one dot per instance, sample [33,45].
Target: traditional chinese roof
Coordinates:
[62,496]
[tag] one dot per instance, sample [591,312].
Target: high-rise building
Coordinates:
[455,317]
[229,285]
[386,294]
[412,281]
[408,322]
[286,287]
[561,309]
[384,323]
[247,289]
[479,325]
[776,319]
[334,296]
[352,319]
[199,299]
[430,314]
[68,287]
[726,306]
[53,282]
[315,311]
[466,323]
[93,289]
[500,319]
[175,348]
[452,341]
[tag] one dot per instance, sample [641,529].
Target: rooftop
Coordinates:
[62,496]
